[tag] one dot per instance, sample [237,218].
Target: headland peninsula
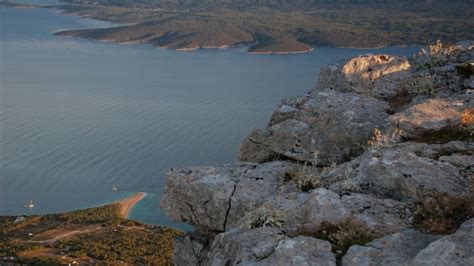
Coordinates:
[100,235]
[273,27]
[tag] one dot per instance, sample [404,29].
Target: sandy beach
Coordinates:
[127,204]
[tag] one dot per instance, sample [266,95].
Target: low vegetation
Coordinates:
[266,216]
[342,235]
[305,178]
[384,139]
[96,235]
[105,214]
[137,246]
[440,213]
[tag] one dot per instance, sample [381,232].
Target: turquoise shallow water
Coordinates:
[77,116]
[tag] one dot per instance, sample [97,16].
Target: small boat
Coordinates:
[30,205]
[114,188]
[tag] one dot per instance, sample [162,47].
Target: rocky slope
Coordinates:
[373,166]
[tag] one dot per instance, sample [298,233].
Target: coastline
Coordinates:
[309,50]
[128,203]
[67,33]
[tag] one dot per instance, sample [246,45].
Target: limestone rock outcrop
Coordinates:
[436,120]
[379,76]
[414,248]
[310,210]
[407,170]
[455,249]
[268,246]
[340,174]
[324,127]
[216,197]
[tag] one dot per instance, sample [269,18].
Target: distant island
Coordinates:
[99,235]
[274,27]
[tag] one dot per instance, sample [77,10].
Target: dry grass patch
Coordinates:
[342,235]
[444,214]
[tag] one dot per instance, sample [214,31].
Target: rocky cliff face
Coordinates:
[374,166]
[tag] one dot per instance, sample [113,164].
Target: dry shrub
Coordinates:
[306,177]
[266,216]
[387,139]
[440,213]
[342,235]
[423,84]
[467,120]
[435,56]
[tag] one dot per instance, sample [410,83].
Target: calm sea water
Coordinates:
[77,116]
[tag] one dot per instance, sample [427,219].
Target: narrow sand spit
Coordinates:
[127,203]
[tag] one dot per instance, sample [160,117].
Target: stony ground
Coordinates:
[374,166]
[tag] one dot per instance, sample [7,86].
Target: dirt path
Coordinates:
[68,234]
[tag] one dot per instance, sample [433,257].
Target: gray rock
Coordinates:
[268,246]
[257,211]
[414,248]
[436,120]
[309,210]
[439,55]
[455,249]
[326,127]
[255,149]
[396,249]
[407,170]
[216,197]
[378,76]
[441,71]
[189,250]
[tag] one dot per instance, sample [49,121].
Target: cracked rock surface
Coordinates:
[436,120]
[414,248]
[406,170]
[268,246]
[331,125]
[216,197]
[359,155]
[379,76]
[309,210]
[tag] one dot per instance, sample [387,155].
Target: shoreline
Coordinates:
[311,47]
[309,50]
[128,203]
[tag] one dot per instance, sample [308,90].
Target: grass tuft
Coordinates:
[443,214]
[342,235]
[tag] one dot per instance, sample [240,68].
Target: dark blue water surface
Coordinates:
[77,116]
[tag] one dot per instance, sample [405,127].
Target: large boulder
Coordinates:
[322,128]
[310,210]
[268,246]
[378,76]
[436,120]
[334,157]
[414,248]
[396,249]
[407,170]
[455,249]
[442,71]
[439,55]
[216,197]
[190,250]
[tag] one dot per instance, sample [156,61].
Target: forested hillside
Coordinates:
[277,26]
[279,4]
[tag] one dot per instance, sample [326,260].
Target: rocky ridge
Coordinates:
[373,166]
